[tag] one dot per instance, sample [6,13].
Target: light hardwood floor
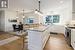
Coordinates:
[4,36]
[14,45]
[57,42]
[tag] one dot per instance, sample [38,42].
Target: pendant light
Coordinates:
[23,14]
[17,14]
[37,11]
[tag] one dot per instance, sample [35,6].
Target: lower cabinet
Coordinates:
[73,38]
[37,39]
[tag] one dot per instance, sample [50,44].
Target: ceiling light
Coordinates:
[37,11]
[23,14]
[61,1]
[17,14]
[17,17]
[38,0]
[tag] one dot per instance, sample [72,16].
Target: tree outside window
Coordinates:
[52,19]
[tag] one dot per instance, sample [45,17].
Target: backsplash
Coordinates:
[71,23]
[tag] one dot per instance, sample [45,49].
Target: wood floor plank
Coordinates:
[14,45]
[4,35]
[57,42]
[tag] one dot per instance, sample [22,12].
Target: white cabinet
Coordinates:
[73,5]
[73,15]
[37,39]
[73,38]
[57,29]
[2,20]
[73,9]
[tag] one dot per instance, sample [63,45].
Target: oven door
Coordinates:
[68,35]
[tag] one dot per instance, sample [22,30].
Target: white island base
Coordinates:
[38,37]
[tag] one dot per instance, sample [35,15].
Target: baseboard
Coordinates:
[53,33]
[46,41]
[72,47]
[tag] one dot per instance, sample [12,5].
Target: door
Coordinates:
[2,21]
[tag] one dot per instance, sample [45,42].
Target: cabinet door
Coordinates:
[73,38]
[73,5]
[73,9]
[73,15]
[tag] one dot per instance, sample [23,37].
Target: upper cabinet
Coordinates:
[73,15]
[73,9]
[73,6]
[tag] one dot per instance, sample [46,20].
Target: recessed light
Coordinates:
[61,1]
[17,17]
[38,0]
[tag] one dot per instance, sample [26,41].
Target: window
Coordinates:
[30,20]
[55,18]
[48,19]
[3,3]
[52,19]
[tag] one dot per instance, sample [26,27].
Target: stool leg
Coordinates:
[23,44]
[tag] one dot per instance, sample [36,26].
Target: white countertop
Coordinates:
[17,33]
[39,28]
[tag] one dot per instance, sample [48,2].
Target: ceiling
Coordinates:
[28,5]
[54,5]
[23,4]
[51,4]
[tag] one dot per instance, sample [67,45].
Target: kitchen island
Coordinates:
[38,37]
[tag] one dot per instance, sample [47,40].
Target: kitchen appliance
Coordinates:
[68,35]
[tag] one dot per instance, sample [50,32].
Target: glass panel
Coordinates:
[49,19]
[30,20]
[55,18]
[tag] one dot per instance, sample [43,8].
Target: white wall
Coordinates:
[9,15]
[36,18]
[2,20]
[63,9]
[65,15]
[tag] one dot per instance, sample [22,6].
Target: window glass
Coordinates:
[48,19]
[55,18]
[52,19]
[30,20]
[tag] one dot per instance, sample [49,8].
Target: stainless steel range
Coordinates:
[68,35]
